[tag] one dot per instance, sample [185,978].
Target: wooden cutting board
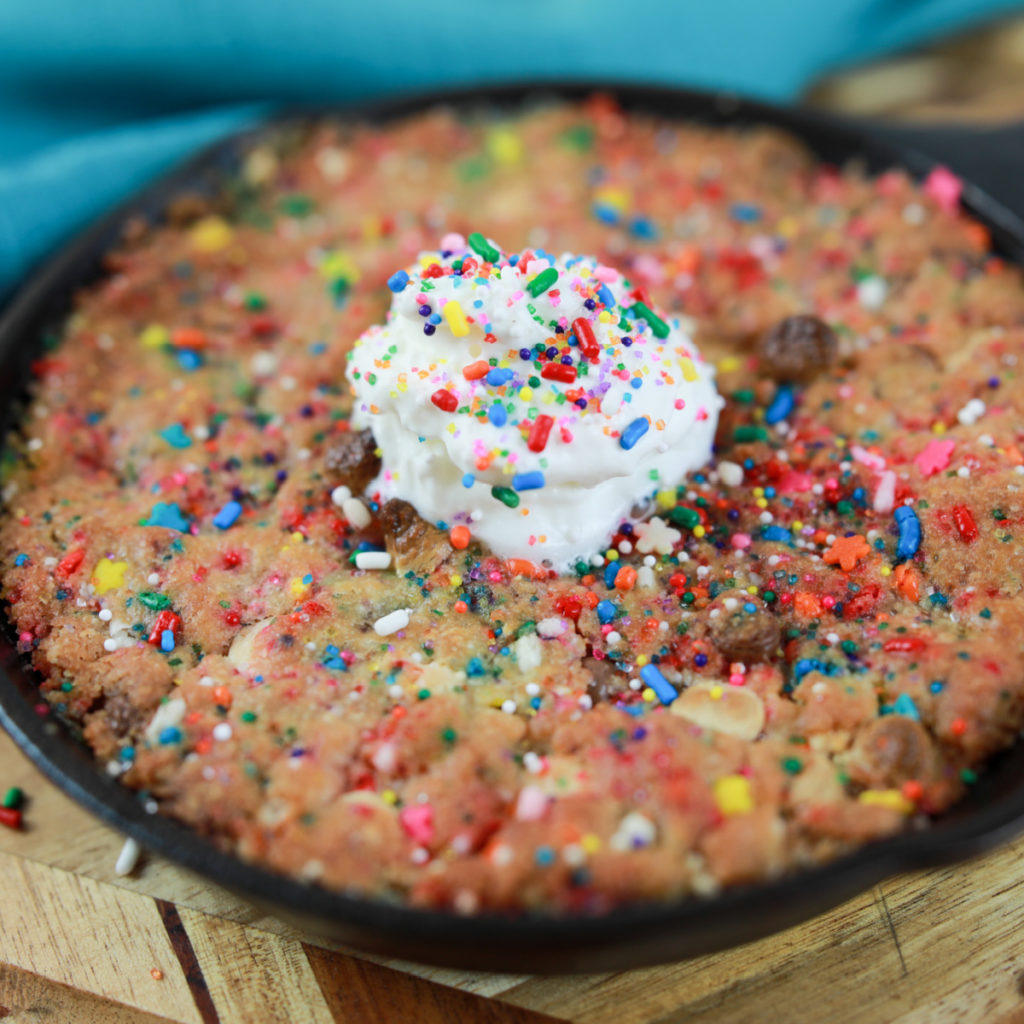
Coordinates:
[80,945]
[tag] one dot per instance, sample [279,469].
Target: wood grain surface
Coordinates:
[79,944]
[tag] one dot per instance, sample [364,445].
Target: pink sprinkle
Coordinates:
[418,822]
[736,679]
[793,481]
[532,804]
[609,275]
[741,540]
[680,403]
[866,458]
[934,457]
[945,188]
[454,241]
[885,496]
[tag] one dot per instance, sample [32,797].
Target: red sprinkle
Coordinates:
[538,439]
[904,644]
[10,817]
[444,400]
[585,336]
[965,524]
[70,562]
[559,371]
[165,620]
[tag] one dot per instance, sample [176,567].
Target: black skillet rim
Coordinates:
[626,937]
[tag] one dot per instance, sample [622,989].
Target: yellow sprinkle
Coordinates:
[337,266]
[891,798]
[649,695]
[728,364]
[609,195]
[666,499]
[715,693]
[605,317]
[751,590]
[590,843]
[787,227]
[505,146]
[451,428]
[840,442]
[612,555]
[155,336]
[689,370]
[797,524]
[732,794]
[298,588]
[699,531]
[371,228]
[885,570]
[108,575]
[389,796]
[298,535]
[758,492]
[526,393]
[641,661]
[939,428]
[455,580]
[761,503]
[456,318]
[211,234]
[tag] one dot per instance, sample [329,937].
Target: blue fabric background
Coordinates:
[96,97]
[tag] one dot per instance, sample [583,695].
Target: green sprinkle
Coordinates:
[968,776]
[449,736]
[13,798]
[423,694]
[155,602]
[483,248]
[793,765]
[506,496]
[687,517]
[658,326]
[768,597]
[743,434]
[542,282]
[248,716]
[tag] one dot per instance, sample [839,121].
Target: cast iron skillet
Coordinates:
[628,937]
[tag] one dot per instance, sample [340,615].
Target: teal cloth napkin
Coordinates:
[97,98]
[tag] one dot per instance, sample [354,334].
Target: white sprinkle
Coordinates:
[509,707]
[552,627]
[127,859]
[613,638]
[153,579]
[532,689]
[871,292]
[35,444]
[106,615]
[533,762]
[730,473]
[222,731]
[971,412]
[392,622]
[373,560]
[340,495]
[263,364]
[207,681]
[356,513]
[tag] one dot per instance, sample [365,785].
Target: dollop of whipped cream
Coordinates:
[534,399]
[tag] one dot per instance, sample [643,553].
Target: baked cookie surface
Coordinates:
[811,644]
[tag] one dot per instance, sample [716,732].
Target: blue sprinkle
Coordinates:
[497,414]
[634,432]
[497,377]
[21,560]
[172,734]
[308,578]
[605,214]
[544,856]
[528,481]
[227,516]
[468,480]
[604,293]
[611,570]
[777,533]
[169,515]
[745,213]
[605,612]
[910,531]
[643,228]
[176,437]
[636,382]
[805,665]
[781,406]
[167,640]
[936,686]
[189,359]
[398,280]
[434,319]
[904,705]
[475,667]
[336,663]
[652,676]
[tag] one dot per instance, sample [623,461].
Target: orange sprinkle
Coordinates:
[588,580]
[461,607]
[188,337]
[524,567]
[913,790]
[625,578]
[847,551]
[474,371]
[806,605]
[222,696]
[958,727]
[157,974]
[459,536]
[398,711]
[908,582]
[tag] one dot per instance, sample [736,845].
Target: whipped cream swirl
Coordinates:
[535,400]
